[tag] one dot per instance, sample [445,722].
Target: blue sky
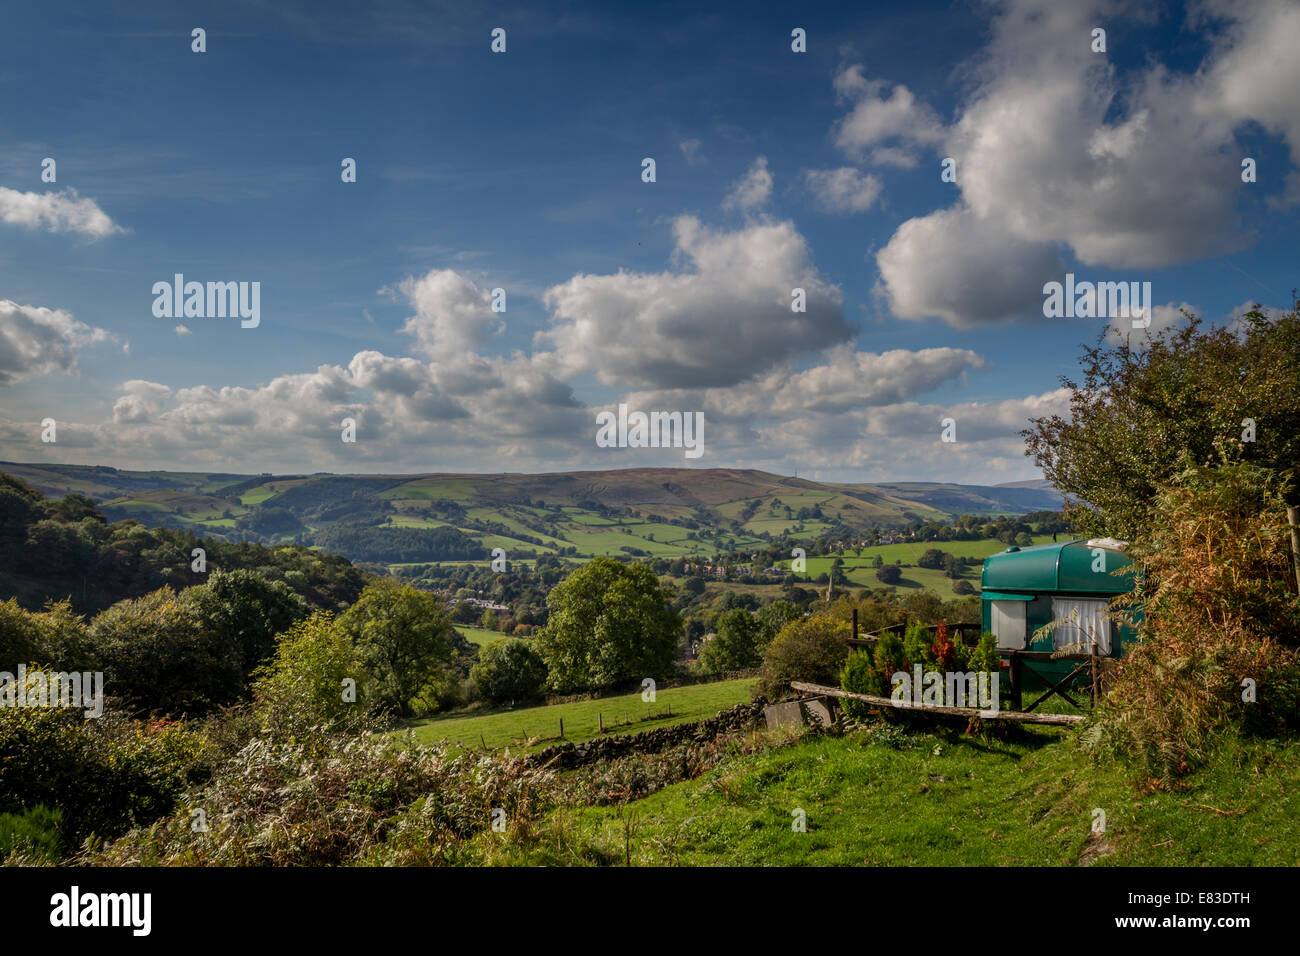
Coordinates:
[522,171]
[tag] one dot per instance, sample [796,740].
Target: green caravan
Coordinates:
[1067,589]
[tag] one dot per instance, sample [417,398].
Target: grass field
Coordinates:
[943,799]
[860,569]
[515,728]
[481,636]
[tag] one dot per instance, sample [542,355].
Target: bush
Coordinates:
[105,775]
[32,835]
[363,800]
[1219,607]
[861,677]
[812,649]
[160,658]
[962,586]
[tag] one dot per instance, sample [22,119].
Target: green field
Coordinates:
[535,726]
[860,569]
[942,799]
[481,636]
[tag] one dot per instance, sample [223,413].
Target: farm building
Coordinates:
[1071,584]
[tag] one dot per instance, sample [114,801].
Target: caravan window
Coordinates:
[1081,623]
[1008,619]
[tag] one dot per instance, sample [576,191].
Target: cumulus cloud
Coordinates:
[752,190]
[1055,148]
[35,341]
[843,190]
[882,116]
[682,328]
[966,270]
[56,212]
[451,312]
[140,401]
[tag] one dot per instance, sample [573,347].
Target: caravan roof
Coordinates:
[1079,567]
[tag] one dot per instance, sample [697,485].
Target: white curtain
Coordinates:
[1081,623]
[1008,620]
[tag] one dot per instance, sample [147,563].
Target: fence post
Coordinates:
[1014,668]
[1092,670]
[561,728]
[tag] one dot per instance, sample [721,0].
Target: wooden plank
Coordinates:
[1016,715]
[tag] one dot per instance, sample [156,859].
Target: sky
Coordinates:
[922,171]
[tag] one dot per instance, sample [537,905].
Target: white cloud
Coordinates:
[451,312]
[35,341]
[965,270]
[752,190]
[683,329]
[1056,149]
[880,117]
[691,152]
[182,331]
[56,212]
[843,190]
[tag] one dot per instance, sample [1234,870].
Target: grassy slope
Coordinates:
[481,636]
[514,727]
[946,799]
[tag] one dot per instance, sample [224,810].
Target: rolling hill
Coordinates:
[393,519]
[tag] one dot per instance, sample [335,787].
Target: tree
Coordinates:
[609,623]
[772,617]
[307,685]
[962,586]
[889,574]
[509,671]
[1189,398]
[952,566]
[248,611]
[734,646]
[407,644]
[932,559]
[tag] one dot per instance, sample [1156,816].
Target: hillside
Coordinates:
[395,519]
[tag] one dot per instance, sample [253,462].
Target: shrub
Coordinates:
[160,658]
[362,800]
[105,775]
[32,835]
[861,677]
[890,657]
[1219,608]
[916,645]
[812,649]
